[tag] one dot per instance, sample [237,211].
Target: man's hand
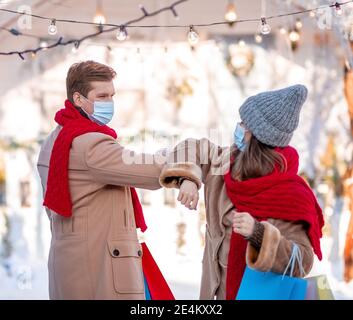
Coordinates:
[243,223]
[188,194]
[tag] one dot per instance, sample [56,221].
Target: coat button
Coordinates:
[116,252]
[139,253]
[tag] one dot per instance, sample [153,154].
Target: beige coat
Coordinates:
[197,159]
[96,254]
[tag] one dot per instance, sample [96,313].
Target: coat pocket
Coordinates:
[127,266]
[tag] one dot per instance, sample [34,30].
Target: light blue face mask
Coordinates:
[103,111]
[239,137]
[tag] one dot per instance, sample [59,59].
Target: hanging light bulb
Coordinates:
[99,17]
[241,43]
[312,14]
[75,47]
[44,45]
[294,36]
[282,30]
[193,36]
[298,24]
[338,10]
[122,33]
[265,27]
[258,38]
[52,29]
[231,14]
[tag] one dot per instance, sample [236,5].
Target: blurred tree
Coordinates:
[348,250]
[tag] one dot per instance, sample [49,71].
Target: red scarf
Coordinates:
[57,196]
[273,196]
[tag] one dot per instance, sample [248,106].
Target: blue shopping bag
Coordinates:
[147,290]
[257,285]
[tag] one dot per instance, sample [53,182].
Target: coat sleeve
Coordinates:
[195,160]
[110,163]
[276,248]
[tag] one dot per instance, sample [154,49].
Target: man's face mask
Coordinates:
[103,111]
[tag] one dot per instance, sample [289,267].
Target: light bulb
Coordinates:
[265,27]
[294,36]
[99,17]
[298,24]
[231,15]
[193,36]
[312,14]
[121,34]
[338,10]
[258,38]
[52,29]
[282,30]
[242,43]
[75,47]
[44,45]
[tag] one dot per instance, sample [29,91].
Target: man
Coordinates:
[89,196]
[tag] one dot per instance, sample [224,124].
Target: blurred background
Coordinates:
[174,83]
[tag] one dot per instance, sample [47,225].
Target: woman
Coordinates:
[256,207]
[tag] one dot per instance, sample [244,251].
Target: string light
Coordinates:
[231,14]
[76,46]
[294,35]
[312,14]
[99,17]
[264,27]
[241,43]
[338,9]
[43,44]
[258,38]
[175,14]
[193,36]
[282,30]
[122,33]
[144,11]
[52,29]
[298,24]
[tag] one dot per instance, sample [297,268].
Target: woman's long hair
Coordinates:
[257,160]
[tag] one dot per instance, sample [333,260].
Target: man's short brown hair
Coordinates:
[81,74]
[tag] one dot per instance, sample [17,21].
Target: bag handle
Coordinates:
[295,257]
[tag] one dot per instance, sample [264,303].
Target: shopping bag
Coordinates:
[156,287]
[147,290]
[257,285]
[318,288]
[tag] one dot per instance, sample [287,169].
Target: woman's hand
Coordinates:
[243,223]
[188,194]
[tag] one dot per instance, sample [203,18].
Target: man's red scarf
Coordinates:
[57,196]
[284,196]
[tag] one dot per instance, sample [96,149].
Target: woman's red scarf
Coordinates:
[284,196]
[58,199]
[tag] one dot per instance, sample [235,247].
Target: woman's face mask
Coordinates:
[103,111]
[239,137]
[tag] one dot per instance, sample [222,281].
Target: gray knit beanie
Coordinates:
[272,116]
